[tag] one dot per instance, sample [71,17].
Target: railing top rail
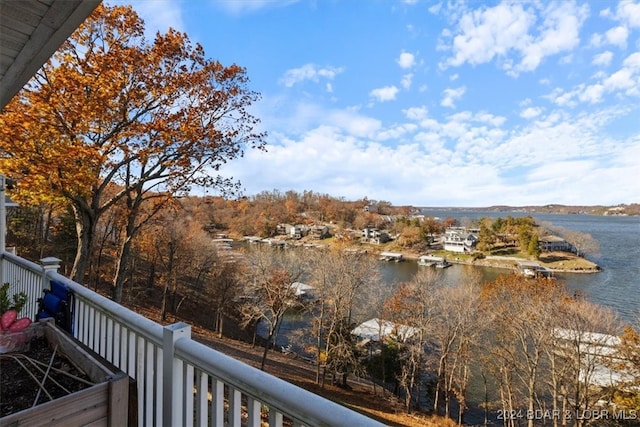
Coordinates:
[29,265]
[134,321]
[306,407]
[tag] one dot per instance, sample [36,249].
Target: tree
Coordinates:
[413,304]
[486,236]
[269,292]
[583,243]
[339,280]
[185,255]
[456,329]
[110,109]
[534,246]
[520,316]
[628,361]
[222,287]
[584,340]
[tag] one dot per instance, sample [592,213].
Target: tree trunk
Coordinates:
[266,349]
[163,309]
[121,270]
[85,231]
[220,323]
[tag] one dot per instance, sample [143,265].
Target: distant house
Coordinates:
[374,235]
[459,240]
[551,243]
[319,232]
[292,231]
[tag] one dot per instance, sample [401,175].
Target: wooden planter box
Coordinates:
[104,404]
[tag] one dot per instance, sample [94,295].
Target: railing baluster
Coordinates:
[109,338]
[235,406]
[275,418]
[131,356]
[146,388]
[254,408]
[158,385]
[188,395]
[103,336]
[202,392]
[217,403]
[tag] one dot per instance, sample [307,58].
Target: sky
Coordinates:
[425,103]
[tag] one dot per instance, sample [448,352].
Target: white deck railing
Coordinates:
[180,382]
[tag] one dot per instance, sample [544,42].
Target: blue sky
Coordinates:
[432,104]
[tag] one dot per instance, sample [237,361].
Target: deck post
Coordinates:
[172,396]
[49,264]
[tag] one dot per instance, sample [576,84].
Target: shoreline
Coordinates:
[510,263]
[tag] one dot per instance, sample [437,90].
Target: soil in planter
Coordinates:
[18,388]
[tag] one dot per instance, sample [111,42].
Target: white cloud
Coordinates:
[406,81]
[511,29]
[406,60]
[383,94]
[450,96]
[629,13]
[592,94]
[416,113]
[617,36]
[561,26]
[623,82]
[596,40]
[485,33]
[557,158]
[530,112]
[309,72]
[603,59]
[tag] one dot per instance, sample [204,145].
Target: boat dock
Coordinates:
[391,256]
[433,261]
[533,269]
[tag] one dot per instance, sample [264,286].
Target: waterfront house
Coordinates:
[550,243]
[374,235]
[319,232]
[292,231]
[459,240]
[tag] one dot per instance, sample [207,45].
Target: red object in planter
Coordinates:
[7,319]
[20,324]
